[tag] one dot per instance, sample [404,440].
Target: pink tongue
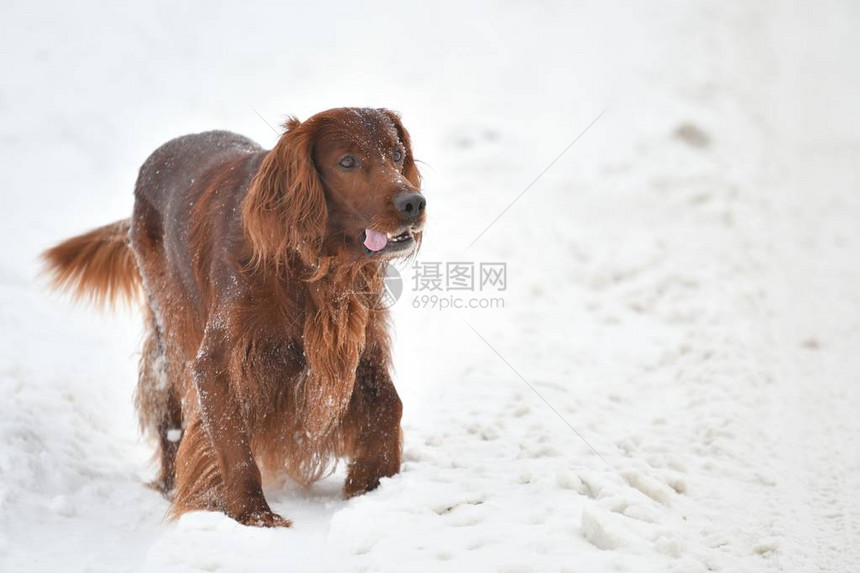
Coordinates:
[374,240]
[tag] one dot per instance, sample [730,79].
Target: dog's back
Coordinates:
[172,169]
[206,171]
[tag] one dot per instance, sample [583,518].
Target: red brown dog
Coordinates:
[267,346]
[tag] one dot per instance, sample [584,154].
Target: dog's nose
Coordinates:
[410,204]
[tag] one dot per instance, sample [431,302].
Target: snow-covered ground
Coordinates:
[683,284]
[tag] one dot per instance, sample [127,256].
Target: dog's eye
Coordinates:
[347,162]
[397,156]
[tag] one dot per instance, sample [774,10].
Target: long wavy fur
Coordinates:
[96,267]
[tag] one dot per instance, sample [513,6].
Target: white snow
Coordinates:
[683,283]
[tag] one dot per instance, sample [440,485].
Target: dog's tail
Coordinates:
[98,266]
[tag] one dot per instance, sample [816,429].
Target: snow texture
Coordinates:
[683,283]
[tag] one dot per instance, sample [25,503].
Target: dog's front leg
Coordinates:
[372,426]
[225,427]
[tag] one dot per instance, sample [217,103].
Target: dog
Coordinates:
[260,275]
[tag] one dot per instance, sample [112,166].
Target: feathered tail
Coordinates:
[98,266]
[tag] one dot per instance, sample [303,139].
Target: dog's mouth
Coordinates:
[377,242]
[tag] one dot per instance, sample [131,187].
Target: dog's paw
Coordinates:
[358,484]
[264,519]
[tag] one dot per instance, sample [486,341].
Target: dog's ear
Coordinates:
[285,208]
[410,170]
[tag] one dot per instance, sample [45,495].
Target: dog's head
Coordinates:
[342,183]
